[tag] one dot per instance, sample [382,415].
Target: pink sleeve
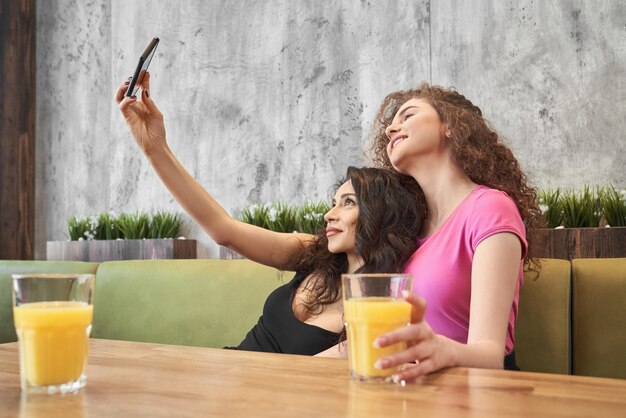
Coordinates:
[495,212]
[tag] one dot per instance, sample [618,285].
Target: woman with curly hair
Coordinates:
[371,227]
[472,247]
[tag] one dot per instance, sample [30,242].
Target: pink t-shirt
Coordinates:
[442,265]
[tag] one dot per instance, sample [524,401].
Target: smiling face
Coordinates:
[341,221]
[416,130]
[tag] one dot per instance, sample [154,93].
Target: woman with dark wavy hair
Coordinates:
[370,228]
[469,264]
[375,216]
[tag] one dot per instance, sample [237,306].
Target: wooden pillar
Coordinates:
[17,128]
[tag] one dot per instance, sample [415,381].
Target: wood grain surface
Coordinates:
[131,249]
[17,129]
[141,379]
[570,243]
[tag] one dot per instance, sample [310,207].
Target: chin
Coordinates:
[395,160]
[399,167]
[337,249]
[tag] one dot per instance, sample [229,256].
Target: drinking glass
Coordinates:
[373,305]
[52,315]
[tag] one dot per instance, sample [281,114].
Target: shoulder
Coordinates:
[493,201]
[488,207]
[493,211]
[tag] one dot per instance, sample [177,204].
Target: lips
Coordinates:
[396,140]
[330,231]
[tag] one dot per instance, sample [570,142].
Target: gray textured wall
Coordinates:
[273,99]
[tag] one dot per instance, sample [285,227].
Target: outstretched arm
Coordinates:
[145,122]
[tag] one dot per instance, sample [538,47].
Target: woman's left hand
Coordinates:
[426,350]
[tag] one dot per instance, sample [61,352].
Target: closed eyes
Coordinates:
[403,115]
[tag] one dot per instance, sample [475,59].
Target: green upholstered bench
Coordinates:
[571,318]
[599,317]
[211,303]
[543,328]
[214,303]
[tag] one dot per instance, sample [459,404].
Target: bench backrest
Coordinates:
[543,328]
[599,317]
[211,303]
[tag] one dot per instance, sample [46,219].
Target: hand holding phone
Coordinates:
[142,67]
[142,115]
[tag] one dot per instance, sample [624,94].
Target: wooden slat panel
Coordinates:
[570,243]
[134,249]
[17,129]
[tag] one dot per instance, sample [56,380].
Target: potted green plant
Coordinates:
[280,217]
[133,236]
[589,223]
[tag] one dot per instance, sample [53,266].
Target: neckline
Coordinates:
[423,240]
[292,315]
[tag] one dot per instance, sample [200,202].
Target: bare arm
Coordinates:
[336,351]
[145,122]
[495,269]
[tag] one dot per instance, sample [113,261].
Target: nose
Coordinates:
[390,130]
[330,215]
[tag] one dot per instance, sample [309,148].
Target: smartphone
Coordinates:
[142,67]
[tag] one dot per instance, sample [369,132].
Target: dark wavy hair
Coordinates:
[391,213]
[476,149]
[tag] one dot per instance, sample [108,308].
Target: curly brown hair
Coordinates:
[391,213]
[475,147]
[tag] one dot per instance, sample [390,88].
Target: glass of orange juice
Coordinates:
[373,305]
[52,315]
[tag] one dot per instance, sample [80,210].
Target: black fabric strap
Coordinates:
[509,362]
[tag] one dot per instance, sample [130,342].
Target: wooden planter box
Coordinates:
[570,243]
[132,249]
[566,243]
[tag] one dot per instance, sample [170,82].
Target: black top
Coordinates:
[279,331]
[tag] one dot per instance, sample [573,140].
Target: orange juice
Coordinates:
[54,338]
[368,318]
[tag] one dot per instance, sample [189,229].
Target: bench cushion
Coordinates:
[211,303]
[599,317]
[542,331]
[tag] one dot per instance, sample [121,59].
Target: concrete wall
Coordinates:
[273,99]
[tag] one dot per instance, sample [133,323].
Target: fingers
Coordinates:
[417,352]
[414,332]
[406,366]
[121,91]
[418,305]
[405,356]
[147,99]
[145,82]
[411,373]
[126,103]
[126,106]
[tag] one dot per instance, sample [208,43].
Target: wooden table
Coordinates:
[147,380]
